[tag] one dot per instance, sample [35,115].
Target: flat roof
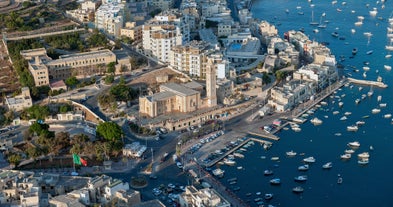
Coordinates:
[161,96]
[178,89]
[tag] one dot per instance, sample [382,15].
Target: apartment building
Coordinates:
[21,101]
[109,18]
[132,31]
[206,197]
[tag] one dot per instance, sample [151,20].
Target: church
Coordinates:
[182,98]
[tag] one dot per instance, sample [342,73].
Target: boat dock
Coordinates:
[368,82]
[265,135]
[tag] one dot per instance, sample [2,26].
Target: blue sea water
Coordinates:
[370,185]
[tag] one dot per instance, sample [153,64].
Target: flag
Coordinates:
[78,160]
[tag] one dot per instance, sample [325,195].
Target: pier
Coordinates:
[267,136]
[368,82]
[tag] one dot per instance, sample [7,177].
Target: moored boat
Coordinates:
[352,128]
[268,196]
[291,153]
[363,155]
[309,160]
[349,151]
[387,116]
[268,172]
[359,123]
[239,155]
[354,144]
[275,181]
[297,189]
[303,168]
[339,180]
[327,165]
[363,161]
[345,156]
[316,121]
[218,172]
[375,111]
[301,178]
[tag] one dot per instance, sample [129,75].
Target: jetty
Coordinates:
[368,82]
[264,135]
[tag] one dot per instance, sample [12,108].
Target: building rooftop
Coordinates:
[161,96]
[83,56]
[207,35]
[151,203]
[178,89]
[69,200]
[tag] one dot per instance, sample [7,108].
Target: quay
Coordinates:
[265,135]
[368,82]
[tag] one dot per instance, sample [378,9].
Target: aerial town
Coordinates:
[104,99]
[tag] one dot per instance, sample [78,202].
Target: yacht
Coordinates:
[218,172]
[357,101]
[291,153]
[382,105]
[373,12]
[239,155]
[349,151]
[275,181]
[297,189]
[363,161]
[345,156]
[387,116]
[387,67]
[363,155]
[301,178]
[375,111]
[358,23]
[309,159]
[303,168]
[229,161]
[343,118]
[354,144]
[347,113]
[327,165]
[316,121]
[352,128]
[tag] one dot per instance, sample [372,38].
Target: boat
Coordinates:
[232,179]
[240,167]
[291,153]
[357,101]
[268,196]
[335,34]
[371,148]
[275,158]
[296,129]
[375,111]
[366,68]
[309,159]
[358,23]
[373,12]
[218,172]
[354,51]
[327,165]
[275,181]
[363,161]
[352,128]
[335,112]
[301,178]
[353,31]
[354,144]
[388,56]
[387,116]
[387,67]
[345,156]
[369,52]
[268,172]
[347,113]
[303,168]
[316,121]
[382,105]
[339,180]
[239,155]
[343,118]
[349,151]
[229,161]
[297,189]
[363,155]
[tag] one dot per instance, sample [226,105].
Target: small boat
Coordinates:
[296,129]
[298,189]
[268,196]
[339,180]
[239,155]
[352,128]
[354,144]
[349,151]
[303,168]
[218,172]
[388,56]
[309,159]
[275,181]
[335,112]
[240,167]
[316,121]
[363,161]
[363,155]
[387,67]
[354,51]
[335,34]
[337,134]
[375,111]
[258,193]
[347,113]
[366,68]
[327,165]
[268,172]
[382,105]
[371,148]
[301,178]
[275,158]
[357,101]
[345,156]
[387,116]
[369,52]
[229,162]
[343,118]
[358,23]
[291,153]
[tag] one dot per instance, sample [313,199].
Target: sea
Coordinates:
[363,185]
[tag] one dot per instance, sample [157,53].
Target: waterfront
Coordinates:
[369,185]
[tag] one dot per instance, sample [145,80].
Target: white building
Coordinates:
[202,198]
[21,101]
[109,18]
[114,186]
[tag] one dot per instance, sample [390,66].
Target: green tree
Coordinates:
[37,112]
[39,129]
[109,79]
[65,108]
[110,131]
[111,67]
[280,75]
[14,159]
[266,78]
[72,81]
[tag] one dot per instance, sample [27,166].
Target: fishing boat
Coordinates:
[301,178]
[345,156]
[327,165]
[303,168]
[291,153]
[309,160]
[354,144]
[297,189]
[268,172]
[352,128]
[275,181]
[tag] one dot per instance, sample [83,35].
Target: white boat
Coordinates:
[387,67]
[309,160]
[359,23]
[339,180]
[373,12]
[387,116]
[353,31]
[375,111]
[303,168]
[354,144]
[369,52]
[301,178]
[296,129]
[357,101]
[370,93]
[335,112]
[297,189]
[316,121]
[291,153]
[229,161]
[352,128]
[345,156]
[239,155]
[349,151]
[368,34]
[218,172]
[327,165]
[275,158]
[388,56]
[343,118]
[363,161]
[359,123]
[366,68]
[324,103]
[389,47]
[382,105]
[371,148]
[268,172]
[379,98]
[364,75]
[363,155]
[340,104]
[347,113]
